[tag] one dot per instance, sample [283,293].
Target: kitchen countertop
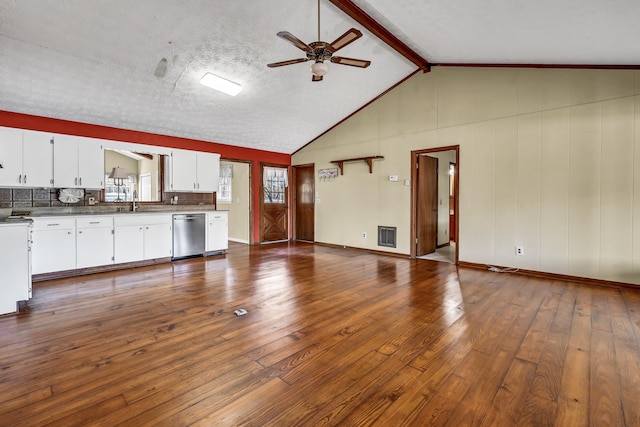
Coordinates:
[113,210]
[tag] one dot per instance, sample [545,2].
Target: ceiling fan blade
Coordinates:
[286,35]
[350,61]
[315,78]
[289,62]
[346,38]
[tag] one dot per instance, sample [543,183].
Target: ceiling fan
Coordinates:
[320,51]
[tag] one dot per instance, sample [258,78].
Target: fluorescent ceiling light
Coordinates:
[220,84]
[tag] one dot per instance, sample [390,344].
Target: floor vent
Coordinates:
[387,236]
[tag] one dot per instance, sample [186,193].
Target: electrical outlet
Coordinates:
[519,250]
[364,235]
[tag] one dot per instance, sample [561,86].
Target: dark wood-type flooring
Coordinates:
[332,337]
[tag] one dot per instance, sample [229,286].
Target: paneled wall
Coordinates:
[549,160]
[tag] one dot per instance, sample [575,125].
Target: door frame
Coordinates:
[261,167]
[414,195]
[294,197]
[250,178]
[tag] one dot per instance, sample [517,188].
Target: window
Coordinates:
[224,185]
[275,184]
[119,193]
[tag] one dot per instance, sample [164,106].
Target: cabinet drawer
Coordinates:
[95,222]
[54,223]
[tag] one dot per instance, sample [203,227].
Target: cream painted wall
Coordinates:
[151,167]
[113,159]
[239,207]
[549,160]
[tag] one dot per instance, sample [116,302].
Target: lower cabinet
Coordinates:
[69,243]
[158,239]
[217,231]
[128,243]
[54,244]
[15,276]
[94,241]
[142,237]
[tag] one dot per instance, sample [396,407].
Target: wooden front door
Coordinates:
[274,200]
[427,205]
[304,194]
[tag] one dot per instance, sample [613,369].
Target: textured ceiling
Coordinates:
[99,62]
[135,64]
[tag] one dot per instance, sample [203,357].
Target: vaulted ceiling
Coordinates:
[136,64]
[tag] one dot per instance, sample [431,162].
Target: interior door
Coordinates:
[427,205]
[304,202]
[274,201]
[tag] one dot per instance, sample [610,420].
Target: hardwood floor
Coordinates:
[332,337]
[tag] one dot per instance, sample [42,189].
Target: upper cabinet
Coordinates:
[26,158]
[194,171]
[78,162]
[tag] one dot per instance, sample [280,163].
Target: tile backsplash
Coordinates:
[20,198]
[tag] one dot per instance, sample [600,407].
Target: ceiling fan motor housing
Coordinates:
[320,51]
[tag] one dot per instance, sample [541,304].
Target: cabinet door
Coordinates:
[183,170]
[65,161]
[53,250]
[90,163]
[10,157]
[208,170]
[37,159]
[157,241]
[128,243]
[94,247]
[14,264]
[217,231]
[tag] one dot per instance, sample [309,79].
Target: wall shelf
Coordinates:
[368,160]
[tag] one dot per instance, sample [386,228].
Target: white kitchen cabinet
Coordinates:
[194,171]
[78,162]
[26,158]
[142,237]
[53,244]
[217,231]
[15,265]
[128,243]
[94,241]
[158,241]
[208,169]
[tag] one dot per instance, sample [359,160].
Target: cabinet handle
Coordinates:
[75,181]
[194,185]
[68,232]
[52,225]
[80,180]
[80,232]
[94,222]
[25,178]
[20,179]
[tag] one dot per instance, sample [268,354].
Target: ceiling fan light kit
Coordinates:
[319,69]
[320,51]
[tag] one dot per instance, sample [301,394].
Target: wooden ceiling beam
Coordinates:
[348,7]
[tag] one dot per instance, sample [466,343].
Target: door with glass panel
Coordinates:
[274,201]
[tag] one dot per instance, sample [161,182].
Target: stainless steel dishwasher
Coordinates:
[188,235]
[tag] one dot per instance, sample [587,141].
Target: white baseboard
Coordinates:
[231,239]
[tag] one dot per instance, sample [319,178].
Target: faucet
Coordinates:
[134,207]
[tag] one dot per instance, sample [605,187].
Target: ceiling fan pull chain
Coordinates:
[318,20]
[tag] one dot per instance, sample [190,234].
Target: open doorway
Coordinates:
[434,211]
[234,195]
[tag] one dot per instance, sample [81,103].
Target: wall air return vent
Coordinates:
[387,236]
